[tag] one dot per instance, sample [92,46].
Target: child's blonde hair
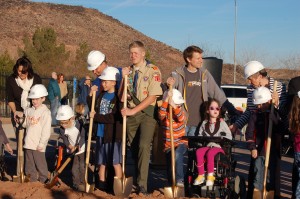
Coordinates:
[294,115]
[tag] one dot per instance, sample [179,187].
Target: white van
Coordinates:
[236,94]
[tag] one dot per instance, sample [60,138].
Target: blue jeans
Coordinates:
[54,104]
[297,163]
[180,163]
[259,168]
[190,130]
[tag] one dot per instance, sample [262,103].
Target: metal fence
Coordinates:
[4,108]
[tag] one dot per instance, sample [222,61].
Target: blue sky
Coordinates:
[267,30]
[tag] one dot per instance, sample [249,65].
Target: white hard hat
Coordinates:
[64,112]
[261,95]
[94,59]
[177,97]
[37,91]
[252,67]
[110,73]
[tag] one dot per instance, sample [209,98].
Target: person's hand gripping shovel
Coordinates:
[123,186]
[89,188]
[270,194]
[174,191]
[20,177]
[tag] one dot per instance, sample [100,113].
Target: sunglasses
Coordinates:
[214,108]
[23,71]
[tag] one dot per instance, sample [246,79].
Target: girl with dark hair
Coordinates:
[63,89]
[212,126]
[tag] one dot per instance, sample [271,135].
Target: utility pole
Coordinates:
[234,51]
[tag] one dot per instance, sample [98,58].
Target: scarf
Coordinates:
[25,85]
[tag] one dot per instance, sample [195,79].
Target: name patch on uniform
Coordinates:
[146,78]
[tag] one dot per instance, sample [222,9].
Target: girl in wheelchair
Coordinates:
[212,126]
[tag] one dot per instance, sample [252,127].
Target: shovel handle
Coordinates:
[87,159]
[268,147]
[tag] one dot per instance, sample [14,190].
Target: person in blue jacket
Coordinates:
[54,97]
[84,88]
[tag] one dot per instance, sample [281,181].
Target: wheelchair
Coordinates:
[227,184]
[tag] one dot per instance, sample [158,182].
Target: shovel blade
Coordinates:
[89,188]
[120,190]
[176,193]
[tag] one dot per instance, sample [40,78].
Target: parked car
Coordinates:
[236,94]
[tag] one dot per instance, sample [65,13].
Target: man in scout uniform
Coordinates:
[144,80]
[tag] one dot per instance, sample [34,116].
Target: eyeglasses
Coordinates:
[63,123]
[214,108]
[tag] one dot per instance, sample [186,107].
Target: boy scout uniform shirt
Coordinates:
[148,83]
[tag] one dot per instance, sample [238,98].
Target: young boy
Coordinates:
[175,99]
[38,130]
[256,136]
[73,135]
[109,132]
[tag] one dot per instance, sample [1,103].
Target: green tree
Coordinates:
[81,55]
[6,63]
[43,51]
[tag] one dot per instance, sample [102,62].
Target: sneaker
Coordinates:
[199,180]
[180,183]
[210,180]
[142,190]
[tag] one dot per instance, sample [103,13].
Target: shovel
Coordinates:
[174,191]
[20,162]
[265,194]
[89,188]
[123,187]
[56,173]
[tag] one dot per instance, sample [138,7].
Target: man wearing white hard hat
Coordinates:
[257,75]
[108,118]
[256,136]
[38,131]
[97,63]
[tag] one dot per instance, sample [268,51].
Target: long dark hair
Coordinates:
[294,116]
[27,67]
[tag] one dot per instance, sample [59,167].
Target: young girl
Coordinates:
[212,126]
[73,136]
[294,125]
[175,99]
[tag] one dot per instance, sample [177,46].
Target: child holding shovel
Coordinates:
[109,133]
[257,135]
[294,127]
[174,98]
[73,135]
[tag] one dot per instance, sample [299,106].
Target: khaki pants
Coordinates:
[146,126]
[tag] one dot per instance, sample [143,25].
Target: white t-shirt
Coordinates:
[73,133]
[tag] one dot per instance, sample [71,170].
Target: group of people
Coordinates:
[193,97]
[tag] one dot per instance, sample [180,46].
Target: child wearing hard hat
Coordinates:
[174,99]
[256,136]
[38,131]
[73,136]
[109,129]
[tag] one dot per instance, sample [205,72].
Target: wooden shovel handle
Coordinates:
[268,147]
[124,123]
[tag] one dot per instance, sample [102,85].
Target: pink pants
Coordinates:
[210,154]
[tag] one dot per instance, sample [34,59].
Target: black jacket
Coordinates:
[112,121]
[81,137]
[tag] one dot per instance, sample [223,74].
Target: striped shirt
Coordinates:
[282,109]
[178,125]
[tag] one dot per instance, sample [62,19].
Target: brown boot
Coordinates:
[257,194]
